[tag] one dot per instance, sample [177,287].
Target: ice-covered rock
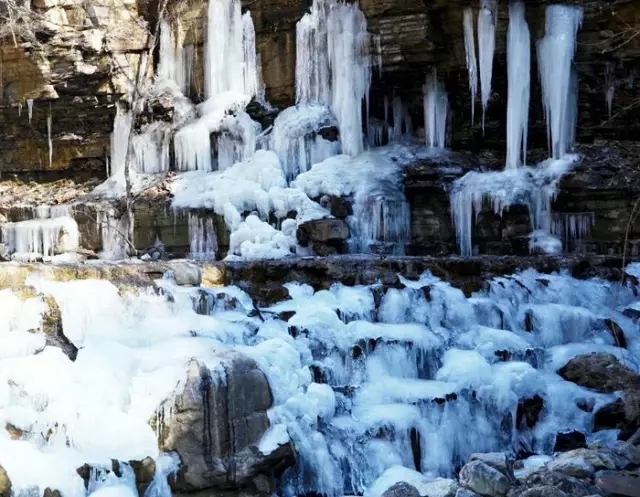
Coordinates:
[215,424]
[484,479]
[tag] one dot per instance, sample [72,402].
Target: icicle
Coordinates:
[202,238]
[487,21]
[519,76]
[19,109]
[398,116]
[350,63]
[436,108]
[168,67]
[610,88]
[192,145]
[49,124]
[41,237]
[120,139]
[188,64]
[30,108]
[333,65]
[472,62]
[312,55]
[559,84]
[230,63]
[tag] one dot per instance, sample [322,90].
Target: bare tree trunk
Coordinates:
[137,102]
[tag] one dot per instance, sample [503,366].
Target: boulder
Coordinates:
[601,372]
[185,273]
[568,484]
[401,489]
[484,479]
[5,483]
[324,236]
[217,419]
[570,440]
[440,487]
[144,472]
[622,414]
[595,458]
[619,483]
[497,460]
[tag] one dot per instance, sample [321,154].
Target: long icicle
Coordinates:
[472,61]
[519,84]
[487,20]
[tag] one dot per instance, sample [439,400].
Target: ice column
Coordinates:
[487,20]
[312,55]
[230,63]
[350,63]
[610,88]
[334,65]
[202,238]
[519,76]
[559,86]
[436,107]
[120,140]
[472,62]
[169,66]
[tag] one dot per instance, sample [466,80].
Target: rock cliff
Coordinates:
[60,82]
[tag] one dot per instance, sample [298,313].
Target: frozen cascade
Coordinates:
[230,58]
[519,83]
[436,108]
[419,379]
[529,186]
[557,75]
[151,148]
[472,62]
[113,230]
[487,21]
[297,141]
[237,140]
[192,145]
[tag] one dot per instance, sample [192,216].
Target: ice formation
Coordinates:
[51,233]
[557,75]
[334,65]
[203,239]
[436,108]
[369,393]
[258,187]
[297,141]
[230,58]
[49,141]
[610,85]
[573,228]
[519,83]
[529,186]
[487,21]
[472,61]
[373,180]
[119,140]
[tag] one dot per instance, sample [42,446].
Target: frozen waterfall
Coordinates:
[365,379]
[472,62]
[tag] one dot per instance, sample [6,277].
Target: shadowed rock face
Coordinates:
[215,424]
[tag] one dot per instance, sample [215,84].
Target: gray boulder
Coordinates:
[215,423]
[401,489]
[484,479]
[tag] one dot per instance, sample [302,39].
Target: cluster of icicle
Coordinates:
[51,233]
[559,95]
[335,61]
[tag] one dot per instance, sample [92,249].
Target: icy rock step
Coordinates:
[500,345]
